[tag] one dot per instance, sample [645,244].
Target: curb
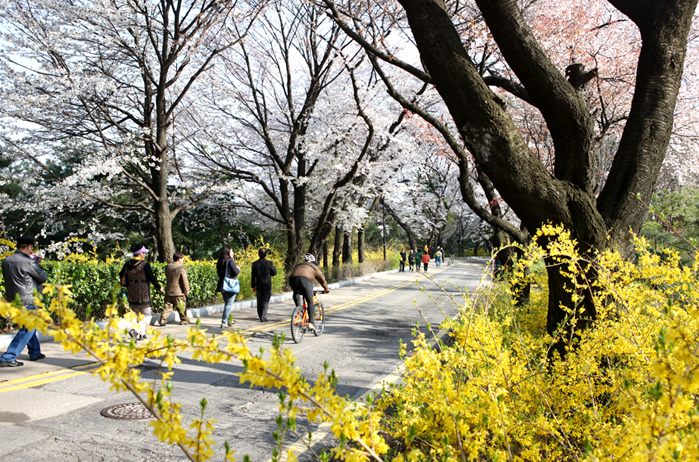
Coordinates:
[5,339]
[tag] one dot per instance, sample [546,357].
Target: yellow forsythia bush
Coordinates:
[626,391]
[119,355]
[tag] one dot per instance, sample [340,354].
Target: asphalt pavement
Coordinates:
[50,409]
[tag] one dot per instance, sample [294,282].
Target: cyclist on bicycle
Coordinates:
[301,282]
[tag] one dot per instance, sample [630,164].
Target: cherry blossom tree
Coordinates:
[286,120]
[115,74]
[564,191]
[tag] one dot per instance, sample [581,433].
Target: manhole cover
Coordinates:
[127,411]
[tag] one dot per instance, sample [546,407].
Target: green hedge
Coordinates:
[92,284]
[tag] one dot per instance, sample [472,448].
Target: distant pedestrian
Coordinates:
[438,257]
[22,275]
[176,290]
[451,252]
[425,260]
[403,257]
[418,259]
[261,282]
[226,268]
[411,260]
[136,276]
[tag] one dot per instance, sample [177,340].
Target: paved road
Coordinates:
[50,410]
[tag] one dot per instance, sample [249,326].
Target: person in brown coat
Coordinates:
[301,282]
[176,290]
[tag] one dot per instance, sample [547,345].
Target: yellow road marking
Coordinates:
[274,326]
[42,382]
[46,377]
[252,331]
[54,376]
[34,377]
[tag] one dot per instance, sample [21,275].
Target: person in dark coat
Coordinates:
[261,282]
[411,260]
[23,275]
[137,276]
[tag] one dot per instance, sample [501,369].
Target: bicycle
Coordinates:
[299,320]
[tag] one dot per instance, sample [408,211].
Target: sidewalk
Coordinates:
[211,310]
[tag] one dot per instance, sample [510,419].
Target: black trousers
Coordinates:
[264,292]
[402,265]
[303,287]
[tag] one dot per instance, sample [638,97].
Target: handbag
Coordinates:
[231,285]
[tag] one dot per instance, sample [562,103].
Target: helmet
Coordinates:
[309,258]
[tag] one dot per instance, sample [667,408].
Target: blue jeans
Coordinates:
[438,261]
[23,338]
[228,299]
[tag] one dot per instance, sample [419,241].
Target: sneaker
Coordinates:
[311,327]
[224,325]
[133,334]
[38,358]
[14,363]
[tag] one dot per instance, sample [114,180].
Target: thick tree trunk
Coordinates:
[664,28]
[299,214]
[347,247]
[159,183]
[569,317]
[293,250]
[163,232]
[566,198]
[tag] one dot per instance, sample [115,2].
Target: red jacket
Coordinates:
[426,258]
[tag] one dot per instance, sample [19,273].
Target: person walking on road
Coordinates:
[226,268]
[451,252]
[403,257]
[411,260]
[301,282]
[418,259]
[261,282]
[136,276]
[176,290]
[425,260]
[438,257]
[22,275]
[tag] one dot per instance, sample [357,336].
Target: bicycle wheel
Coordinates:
[319,322]
[298,330]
